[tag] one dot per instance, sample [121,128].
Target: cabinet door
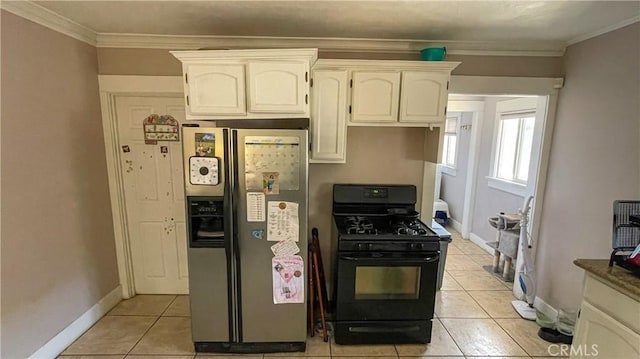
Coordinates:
[279,87]
[214,89]
[375,96]
[598,331]
[329,116]
[423,97]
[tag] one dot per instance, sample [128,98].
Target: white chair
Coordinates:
[438,204]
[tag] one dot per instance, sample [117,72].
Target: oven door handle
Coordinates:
[393,260]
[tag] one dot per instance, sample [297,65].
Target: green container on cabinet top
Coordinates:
[433,53]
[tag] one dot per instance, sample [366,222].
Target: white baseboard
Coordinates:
[68,335]
[455,224]
[480,242]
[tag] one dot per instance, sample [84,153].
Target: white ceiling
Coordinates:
[552,23]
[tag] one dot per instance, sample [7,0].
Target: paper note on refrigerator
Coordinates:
[288,279]
[255,207]
[283,221]
[285,248]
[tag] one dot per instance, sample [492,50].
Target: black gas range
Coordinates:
[387,266]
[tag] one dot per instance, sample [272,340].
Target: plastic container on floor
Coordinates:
[566,321]
[441,217]
[544,321]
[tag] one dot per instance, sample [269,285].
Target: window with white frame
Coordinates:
[513,147]
[450,141]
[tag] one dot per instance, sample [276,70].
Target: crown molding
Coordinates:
[51,20]
[604,30]
[352,45]
[308,55]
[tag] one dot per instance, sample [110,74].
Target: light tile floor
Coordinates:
[474,320]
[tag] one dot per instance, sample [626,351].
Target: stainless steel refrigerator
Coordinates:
[246,190]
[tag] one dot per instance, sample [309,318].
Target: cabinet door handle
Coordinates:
[306,76]
[306,99]
[187,100]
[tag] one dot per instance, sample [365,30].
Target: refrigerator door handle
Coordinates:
[211,235]
[232,154]
[230,235]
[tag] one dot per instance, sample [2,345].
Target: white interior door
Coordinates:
[154,197]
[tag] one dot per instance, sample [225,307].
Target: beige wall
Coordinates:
[375,155]
[595,159]
[58,255]
[512,66]
[117,61]
[145,62]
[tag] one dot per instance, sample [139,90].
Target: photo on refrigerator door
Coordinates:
[288,279]
[270,182]
[205,144]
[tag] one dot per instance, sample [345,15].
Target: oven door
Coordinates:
[386,286]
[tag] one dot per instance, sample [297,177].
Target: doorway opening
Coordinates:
[490,163]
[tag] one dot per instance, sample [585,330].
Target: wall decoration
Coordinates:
[160,128]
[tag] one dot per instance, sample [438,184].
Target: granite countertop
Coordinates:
[617,278]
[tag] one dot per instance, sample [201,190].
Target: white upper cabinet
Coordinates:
[329,116]
[278,87]
[375,96]
[423,97]
[394,93]
[246,84]
[215,89]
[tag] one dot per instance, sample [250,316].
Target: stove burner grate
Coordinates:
[359,225]
[411,228]
[361,230]
[377,226]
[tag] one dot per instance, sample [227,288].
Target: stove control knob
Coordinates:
[415,246]
[364,246]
